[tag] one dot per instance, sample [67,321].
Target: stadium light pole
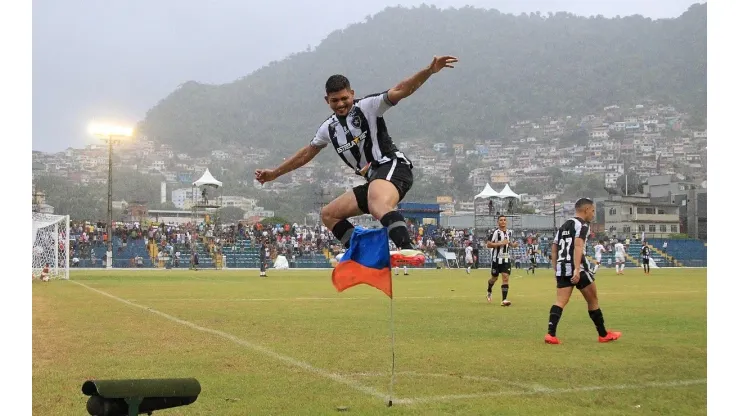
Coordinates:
[110,133]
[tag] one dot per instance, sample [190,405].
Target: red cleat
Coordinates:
[610,336]
[549,339]
[407,258]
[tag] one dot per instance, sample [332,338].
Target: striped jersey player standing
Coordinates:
[500,242]
[572,270]
[532,251]
[357,132]
[645,253]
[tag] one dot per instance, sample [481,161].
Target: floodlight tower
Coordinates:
[110,133]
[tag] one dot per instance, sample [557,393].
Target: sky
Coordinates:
[112,60]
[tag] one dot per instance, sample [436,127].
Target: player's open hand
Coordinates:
[264,175]
[576,278]
[440,62]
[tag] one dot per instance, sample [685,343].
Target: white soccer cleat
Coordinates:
[505,303]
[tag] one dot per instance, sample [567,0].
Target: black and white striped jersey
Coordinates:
[565,239]
[361,137]
[500,255]
[645,251]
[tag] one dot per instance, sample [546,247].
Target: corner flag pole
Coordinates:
[393,359]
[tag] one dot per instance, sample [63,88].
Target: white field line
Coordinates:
[340,298]
[445,398]
[528,386]
[257,348]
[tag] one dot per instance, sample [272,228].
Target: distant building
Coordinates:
[689,197]
[626,216]
[182,198]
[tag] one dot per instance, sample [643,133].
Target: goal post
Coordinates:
[50,245]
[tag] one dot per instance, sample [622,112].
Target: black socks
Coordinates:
[598,319]
[397,230]
[504,291]
[555,313]
[393,221]
[343,232]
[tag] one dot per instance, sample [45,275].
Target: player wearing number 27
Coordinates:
[572,270]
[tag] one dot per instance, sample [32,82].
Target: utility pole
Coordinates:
[109,254]
[321,199]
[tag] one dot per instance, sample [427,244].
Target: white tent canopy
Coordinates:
[487,192]
[508,193]
[208,180]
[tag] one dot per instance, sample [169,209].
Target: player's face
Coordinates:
[341,101]
[590,213]
[502,222]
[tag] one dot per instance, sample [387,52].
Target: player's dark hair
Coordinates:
[501,216]
[583,203]
[336,83]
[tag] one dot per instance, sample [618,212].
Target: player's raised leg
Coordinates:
[383,196]
[594,311]
[335,214]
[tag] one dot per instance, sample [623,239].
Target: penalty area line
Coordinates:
[254,347]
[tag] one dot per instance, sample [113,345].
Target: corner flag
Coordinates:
[367,261]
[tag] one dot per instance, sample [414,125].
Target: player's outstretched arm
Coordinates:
[300,158]
[414,82]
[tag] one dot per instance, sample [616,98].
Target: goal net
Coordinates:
[51,245]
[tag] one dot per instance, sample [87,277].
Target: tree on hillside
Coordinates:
[230,215]
[634,185]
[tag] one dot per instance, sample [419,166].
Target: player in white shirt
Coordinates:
[469,257]
[619,255]
[598,249]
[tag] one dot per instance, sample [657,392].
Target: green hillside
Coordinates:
[511,67]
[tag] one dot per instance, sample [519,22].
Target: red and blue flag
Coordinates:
[367,261]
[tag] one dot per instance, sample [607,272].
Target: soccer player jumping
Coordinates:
[357,132]
[572,270]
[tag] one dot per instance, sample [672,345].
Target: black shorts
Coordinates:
[533,260]
[396,172]
[263,265]
[586,279]
[497,268]
[646,261]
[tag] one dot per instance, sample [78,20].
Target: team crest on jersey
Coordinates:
[356,122]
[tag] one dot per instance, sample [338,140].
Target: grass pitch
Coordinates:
[290,344]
